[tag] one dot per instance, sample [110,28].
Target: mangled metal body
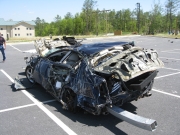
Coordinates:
[93,76]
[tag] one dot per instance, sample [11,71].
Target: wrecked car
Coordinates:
[93,76]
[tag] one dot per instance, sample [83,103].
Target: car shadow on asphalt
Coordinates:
[24,82]
[36,90]
[108,121]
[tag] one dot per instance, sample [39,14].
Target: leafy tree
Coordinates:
[78,25]
[146,22]
[112,20]
[68,16]
[156,19]
[57,18]
[38,27]
[171,8]
[91,21]
[88,7]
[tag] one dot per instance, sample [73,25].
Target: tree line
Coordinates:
[91,21]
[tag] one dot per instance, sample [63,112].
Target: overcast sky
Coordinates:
[28,10]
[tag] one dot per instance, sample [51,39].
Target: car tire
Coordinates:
[29,74]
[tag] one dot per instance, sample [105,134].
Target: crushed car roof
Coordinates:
[89,49]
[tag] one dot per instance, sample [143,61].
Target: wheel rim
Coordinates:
[29,74]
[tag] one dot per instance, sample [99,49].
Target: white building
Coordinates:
[10,29]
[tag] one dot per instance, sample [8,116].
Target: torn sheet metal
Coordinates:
[131,63]
[93,76]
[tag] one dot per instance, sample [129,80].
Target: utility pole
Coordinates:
[138,16]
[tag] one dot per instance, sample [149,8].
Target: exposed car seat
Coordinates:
[72,59]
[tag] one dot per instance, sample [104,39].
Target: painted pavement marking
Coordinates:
[167,75]
[51,115]
[15,48]
[166,93]
[172,69]
[169,58]
[170,50]
[23,106]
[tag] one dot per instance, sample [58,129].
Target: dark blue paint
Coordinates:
[89,49]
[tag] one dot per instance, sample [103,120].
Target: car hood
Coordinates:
[131,63]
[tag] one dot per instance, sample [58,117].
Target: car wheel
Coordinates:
[70,99]
[29,74]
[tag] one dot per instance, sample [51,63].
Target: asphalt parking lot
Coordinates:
[33,111]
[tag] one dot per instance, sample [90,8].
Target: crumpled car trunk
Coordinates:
[129,63]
